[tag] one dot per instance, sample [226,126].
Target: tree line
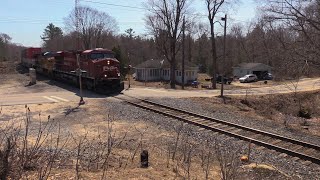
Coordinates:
[285,35]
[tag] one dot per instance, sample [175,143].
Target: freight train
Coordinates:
[100,70]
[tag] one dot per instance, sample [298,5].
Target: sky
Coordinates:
[25,21]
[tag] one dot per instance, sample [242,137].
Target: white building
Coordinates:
[258,69]
[159,70]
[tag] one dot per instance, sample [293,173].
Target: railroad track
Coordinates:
[308,152]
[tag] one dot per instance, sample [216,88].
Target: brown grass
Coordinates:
[277,108]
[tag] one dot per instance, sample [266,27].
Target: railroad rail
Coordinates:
[287,146]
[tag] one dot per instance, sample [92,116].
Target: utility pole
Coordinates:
[76,4]
[224,52]
[183,55]
[129,70]
[81,102]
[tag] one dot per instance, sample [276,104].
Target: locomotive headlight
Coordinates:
[108,62]
[105,75]
[118,74]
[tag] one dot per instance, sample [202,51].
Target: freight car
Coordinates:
[29,56]
[100,71]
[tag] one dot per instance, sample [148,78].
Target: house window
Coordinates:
[180,73]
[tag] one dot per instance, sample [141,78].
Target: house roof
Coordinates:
[162,63]
[251,65]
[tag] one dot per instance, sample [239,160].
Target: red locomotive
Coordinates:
[100,71]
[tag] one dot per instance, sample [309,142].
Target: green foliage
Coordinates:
[130,33]
[51,32]
[4,42]
[122,59]
[52,37]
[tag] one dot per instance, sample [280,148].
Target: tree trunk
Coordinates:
[173,73]
[214,57]
[173,65]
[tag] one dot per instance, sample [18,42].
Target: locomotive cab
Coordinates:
[101,63]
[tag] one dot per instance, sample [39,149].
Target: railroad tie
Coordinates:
[310,151]
[230,128]
[236,130]
[213,124]
[276,141]
[297,148]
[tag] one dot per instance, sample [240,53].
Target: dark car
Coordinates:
[195,84]
[267,76]
[225,80]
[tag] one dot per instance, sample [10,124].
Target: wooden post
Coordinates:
[144,158]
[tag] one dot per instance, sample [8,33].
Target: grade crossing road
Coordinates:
[37,98]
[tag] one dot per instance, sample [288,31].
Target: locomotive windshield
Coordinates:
[101,55]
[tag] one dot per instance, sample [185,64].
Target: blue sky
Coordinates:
[25,20]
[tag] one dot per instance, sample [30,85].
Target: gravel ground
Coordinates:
[293,168]
[267,125]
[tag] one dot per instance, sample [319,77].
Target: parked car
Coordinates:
[195,84]
[248,78]
[225,80]
[267,76]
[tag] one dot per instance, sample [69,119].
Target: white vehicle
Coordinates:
[248,78]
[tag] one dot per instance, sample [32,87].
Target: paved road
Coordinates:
[55,94]
[36,98]
[303,85]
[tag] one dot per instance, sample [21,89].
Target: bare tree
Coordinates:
[302,18]
[92,24]
[165,24]
[213,7]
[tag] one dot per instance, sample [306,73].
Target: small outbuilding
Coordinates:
[159,70]
[258,69]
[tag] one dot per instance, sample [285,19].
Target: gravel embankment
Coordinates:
[295,169]
[190,105]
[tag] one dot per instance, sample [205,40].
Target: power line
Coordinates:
[137,8]
[142,8]
[116,5]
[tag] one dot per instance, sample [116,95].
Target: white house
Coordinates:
[258,69]
[159,70]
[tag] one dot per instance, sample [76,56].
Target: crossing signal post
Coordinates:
[81,102]
[129,75]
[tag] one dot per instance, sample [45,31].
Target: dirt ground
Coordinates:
[87,121]
[89,124]
[280,108]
